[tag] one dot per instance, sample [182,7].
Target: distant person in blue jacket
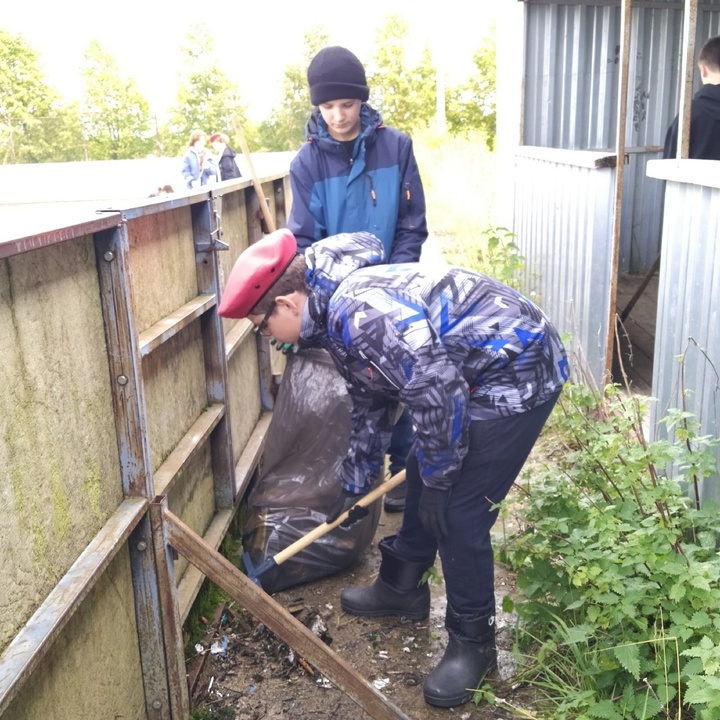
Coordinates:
[356,174]
[197,168]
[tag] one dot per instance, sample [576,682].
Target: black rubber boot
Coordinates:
[396,591]
[470,655]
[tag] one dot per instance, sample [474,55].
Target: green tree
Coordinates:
[207,99]
[285,130]
[473,105]
[34,126]
[404,94]
[115,115]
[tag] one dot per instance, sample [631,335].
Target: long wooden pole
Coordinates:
[290,630]
[269,220]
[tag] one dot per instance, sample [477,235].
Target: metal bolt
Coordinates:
[142,546]
[122,380]
[109,256]
[156,704]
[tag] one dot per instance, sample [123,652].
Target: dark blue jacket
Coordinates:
[378,191]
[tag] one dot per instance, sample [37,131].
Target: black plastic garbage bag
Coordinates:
[306,443]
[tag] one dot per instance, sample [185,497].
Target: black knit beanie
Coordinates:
[334,74]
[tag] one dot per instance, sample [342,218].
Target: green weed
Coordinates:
[618,567]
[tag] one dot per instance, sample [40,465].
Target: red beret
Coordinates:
[255,272]
[215,137]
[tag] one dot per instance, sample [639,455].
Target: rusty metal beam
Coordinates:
[31,644]
[171,624]
[126,383]
[263,607]
[207,237]
[17,246]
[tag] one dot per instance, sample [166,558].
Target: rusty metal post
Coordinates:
[123,352]
[178,696]
[207,236]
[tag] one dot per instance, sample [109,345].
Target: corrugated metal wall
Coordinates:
[564,195]
[571,86]
[689,309]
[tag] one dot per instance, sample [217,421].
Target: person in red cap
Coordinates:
[355,173]
[227,164]
[479,367]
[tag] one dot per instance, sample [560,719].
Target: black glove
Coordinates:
[433,510]
[284,348]
[343,503]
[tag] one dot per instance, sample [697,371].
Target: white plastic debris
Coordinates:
[381,683]
[199,649]
[219,646]
[406,649]
[383,654]
[329,606]
[323,682]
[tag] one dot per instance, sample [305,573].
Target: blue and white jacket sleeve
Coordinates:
[412,365]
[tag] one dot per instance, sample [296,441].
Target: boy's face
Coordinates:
[284,319]
[342,118]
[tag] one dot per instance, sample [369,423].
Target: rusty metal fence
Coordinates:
[121,385]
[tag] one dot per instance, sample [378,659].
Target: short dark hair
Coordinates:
[710,54]
[291,280]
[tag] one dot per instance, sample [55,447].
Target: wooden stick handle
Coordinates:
[325,528]
[269,220]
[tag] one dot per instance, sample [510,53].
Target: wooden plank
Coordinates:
[192,580]
[237,333]
[31,644]
[191,442]
[169,326]
[268,611]
[251,455]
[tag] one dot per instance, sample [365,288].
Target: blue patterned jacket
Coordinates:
[451,344]
[378,191]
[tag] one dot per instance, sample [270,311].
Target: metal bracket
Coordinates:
[214,243]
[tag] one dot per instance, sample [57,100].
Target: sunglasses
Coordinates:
[261,327]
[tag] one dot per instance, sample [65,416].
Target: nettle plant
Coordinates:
[619,566]
[495,254]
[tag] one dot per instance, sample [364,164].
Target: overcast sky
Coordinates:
[254,41]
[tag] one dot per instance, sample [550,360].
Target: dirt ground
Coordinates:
[257,677]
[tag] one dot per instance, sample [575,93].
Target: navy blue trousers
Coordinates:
[497,451]
[401,442]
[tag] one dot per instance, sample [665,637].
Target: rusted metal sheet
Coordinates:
[223,573]
[16,246]
[32,643]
